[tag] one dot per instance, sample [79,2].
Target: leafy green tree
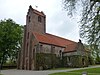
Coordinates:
[89,23]
[10,40]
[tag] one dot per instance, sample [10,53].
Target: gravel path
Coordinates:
[45,72]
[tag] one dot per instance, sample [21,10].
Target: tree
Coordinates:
[89,23]
[10,40]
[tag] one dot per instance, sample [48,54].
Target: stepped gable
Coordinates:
[36,11]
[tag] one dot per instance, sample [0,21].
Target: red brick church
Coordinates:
[41,50]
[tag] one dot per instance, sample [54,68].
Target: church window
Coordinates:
[33,53]
[39,19]
[60,54]
[41,48]
[27,50]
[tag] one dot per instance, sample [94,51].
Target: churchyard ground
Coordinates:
[94,71]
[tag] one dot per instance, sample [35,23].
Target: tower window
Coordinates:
[39,19]
[29,19]
[27,50]
[28,36]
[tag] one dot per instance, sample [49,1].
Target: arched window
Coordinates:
[29,19]
[41,48]
[39,19]
[27,50]
[60,54]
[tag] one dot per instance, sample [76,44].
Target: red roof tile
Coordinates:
[56,40]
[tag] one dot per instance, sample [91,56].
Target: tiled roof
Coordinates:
[56,40]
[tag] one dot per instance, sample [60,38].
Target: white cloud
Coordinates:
[57,21]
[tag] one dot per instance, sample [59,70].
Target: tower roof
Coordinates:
[36,11]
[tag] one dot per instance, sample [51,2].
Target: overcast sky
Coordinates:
[57,20]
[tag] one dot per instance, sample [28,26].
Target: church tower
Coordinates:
[35,21]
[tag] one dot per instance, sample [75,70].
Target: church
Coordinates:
[41,50]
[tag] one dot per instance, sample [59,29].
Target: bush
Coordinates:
[46,61]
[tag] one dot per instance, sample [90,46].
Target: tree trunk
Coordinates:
[2,61]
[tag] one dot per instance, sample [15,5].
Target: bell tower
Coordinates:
[36,21]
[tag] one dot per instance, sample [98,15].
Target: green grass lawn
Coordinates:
[92,71]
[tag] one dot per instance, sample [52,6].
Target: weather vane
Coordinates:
[36,6]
